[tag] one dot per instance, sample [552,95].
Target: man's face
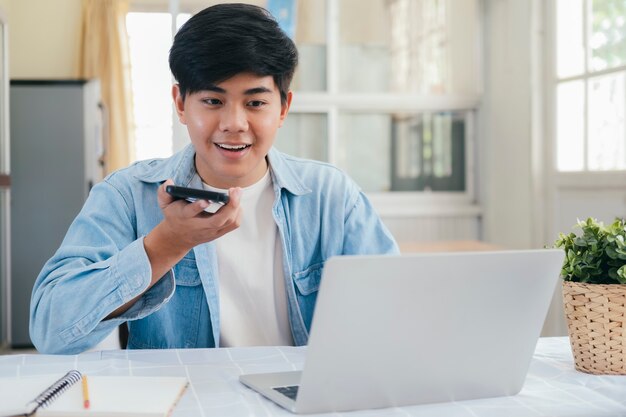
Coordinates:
[232,127]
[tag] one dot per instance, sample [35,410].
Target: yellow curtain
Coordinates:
[104,55]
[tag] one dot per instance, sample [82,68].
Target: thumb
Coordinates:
[163,197]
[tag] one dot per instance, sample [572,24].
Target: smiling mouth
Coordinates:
[232,148]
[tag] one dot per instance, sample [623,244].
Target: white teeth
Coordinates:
[232,147]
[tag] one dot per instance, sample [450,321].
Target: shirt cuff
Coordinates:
[135,278]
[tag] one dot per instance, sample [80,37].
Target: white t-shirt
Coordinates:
[253,301]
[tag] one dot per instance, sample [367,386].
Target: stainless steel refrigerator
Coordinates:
[56,156]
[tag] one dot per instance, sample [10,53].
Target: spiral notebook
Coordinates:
[62,395]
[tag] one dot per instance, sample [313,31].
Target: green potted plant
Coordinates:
[594,295]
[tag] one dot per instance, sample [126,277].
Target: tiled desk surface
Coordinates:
[552,388]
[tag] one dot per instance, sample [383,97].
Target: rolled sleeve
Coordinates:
[122,278]
[152,299]
[132,273]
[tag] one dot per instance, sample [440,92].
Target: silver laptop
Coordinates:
[412,329]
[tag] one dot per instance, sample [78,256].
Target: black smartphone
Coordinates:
[215,198]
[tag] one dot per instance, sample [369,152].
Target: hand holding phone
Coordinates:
[216,199]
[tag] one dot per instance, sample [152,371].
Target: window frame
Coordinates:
[609,178]
[555,184]
[333,102]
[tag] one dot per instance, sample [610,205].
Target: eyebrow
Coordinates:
[248,92]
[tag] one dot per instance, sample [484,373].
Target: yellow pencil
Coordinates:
[85,392]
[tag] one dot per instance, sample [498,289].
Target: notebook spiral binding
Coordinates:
[56,389]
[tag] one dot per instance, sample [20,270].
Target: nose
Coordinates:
[233,119]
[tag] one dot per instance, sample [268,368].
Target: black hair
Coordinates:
[224,40]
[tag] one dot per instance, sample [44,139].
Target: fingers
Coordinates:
[163,197]
[224,214]
[186,209]
[190,225]
[234,196]
[195,208]
[229,216]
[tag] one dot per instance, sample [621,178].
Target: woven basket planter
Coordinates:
[596,321]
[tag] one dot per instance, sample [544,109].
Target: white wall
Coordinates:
[505,141]
[463,22]
[43,38]
[513,150]
[4,8]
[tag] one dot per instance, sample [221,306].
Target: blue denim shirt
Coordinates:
[102,263]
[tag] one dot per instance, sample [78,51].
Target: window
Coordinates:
[150,37]
[590,85]
[387,92]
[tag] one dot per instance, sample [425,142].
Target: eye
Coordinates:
[256,103]
[211,101]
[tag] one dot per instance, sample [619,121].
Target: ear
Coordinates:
[285,108]
[179,103]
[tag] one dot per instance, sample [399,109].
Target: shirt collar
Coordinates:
[283,174]
[181,168]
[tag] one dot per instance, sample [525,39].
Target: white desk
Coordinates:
[553,387]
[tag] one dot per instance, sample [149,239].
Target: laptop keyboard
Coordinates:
[291,391]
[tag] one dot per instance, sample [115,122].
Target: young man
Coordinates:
[181,277]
